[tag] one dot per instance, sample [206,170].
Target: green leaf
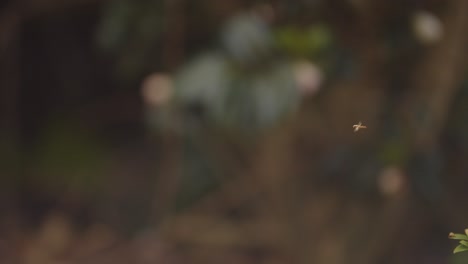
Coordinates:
[460,248]
[458,236]
[464,242]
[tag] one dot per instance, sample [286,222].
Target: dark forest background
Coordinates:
[179,131]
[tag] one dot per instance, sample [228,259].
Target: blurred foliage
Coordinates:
[9,164]
[247,39]
[310,42]
[249,148]
[230,98]
[200,174]
[394,152]
[239,84]
[456,129]
[67,159]
[129,31]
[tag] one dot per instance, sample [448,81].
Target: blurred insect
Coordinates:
[358,126]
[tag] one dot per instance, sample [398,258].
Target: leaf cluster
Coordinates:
[463,246]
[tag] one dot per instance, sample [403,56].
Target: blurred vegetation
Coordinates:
[179,131]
